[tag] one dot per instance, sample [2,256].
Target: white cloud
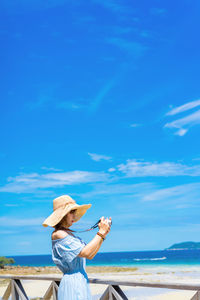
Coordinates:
[98,157]
[134,168]
[29,183]
[181,132]
[188,121]
[184,107]
[111,170]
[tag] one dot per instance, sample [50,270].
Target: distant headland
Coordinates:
[185,246]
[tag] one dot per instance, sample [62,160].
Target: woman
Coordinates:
[70,252]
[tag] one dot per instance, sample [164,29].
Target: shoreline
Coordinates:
[160,274]
[30,270]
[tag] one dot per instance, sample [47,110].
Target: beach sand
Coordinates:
[184,275]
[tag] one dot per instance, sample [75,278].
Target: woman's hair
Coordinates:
[57,226]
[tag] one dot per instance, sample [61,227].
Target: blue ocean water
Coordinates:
[133,259]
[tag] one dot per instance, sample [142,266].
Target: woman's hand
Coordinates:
[91,249]
[104,226]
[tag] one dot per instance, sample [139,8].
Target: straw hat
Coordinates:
[63,205]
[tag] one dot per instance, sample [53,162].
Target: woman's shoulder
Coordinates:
[59,234]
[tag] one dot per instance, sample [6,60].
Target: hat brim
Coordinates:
[59,213]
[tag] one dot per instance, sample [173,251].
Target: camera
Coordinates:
[109,222]
[96,224]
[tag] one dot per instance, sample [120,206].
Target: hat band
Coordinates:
[64,205]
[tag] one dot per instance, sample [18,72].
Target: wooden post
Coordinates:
[20,290]
[49,292]
[196,296]
[55,289]
[106,294]
[7,292]
[14,294]
[117,291]
[113,292]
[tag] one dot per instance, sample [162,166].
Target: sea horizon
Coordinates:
[98,252]
[122,251]
[122,258]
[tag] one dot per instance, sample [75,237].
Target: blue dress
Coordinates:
[74,284]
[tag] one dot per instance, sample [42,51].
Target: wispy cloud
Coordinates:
[184,123]
[122,30]
[115,6]
[147,204]
[28,183]
[132,190]
[95,103]
[24,243]
[70,105]
[180,194]
[41,102]
[99,157]
[48,101]
[7,232]
[158,11]
[90,105]
[184,107]
[31,5]
[80,104]
[11,221]
[51,169]
[136,49]
[135,125]
[135,168]
[111,170]
[196,158]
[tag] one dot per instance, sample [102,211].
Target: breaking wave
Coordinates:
[145,259]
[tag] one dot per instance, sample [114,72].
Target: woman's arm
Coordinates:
[91,249]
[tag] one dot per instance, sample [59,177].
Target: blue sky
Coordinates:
[100,100]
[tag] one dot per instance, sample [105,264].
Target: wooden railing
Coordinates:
[112,292]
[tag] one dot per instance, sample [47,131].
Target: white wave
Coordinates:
[143,259]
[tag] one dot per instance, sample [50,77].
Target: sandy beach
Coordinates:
[184,275]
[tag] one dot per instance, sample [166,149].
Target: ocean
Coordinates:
[125,259]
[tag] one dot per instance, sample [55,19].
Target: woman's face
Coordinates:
[69,218]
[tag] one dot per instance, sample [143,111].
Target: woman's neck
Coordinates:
[66,229]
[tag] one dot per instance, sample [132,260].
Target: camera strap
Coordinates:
[91,228]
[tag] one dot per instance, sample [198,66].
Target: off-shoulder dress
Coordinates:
[74,284]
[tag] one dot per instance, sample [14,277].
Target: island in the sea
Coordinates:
[185,246]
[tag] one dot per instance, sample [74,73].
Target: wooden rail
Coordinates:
[112,292]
